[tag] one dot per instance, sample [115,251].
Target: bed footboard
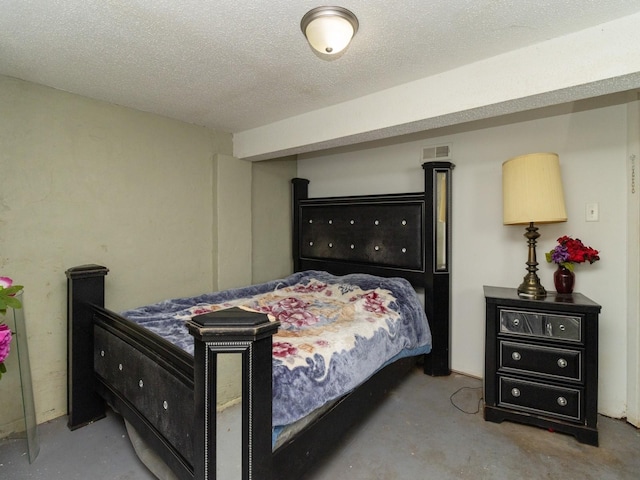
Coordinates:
[189,382]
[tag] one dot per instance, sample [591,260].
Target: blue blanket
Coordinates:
[335,331]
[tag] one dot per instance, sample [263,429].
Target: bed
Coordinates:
[167,392]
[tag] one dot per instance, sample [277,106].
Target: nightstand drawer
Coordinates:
[537,324]
[540,398]
[540,360]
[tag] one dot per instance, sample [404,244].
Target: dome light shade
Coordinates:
[329,29]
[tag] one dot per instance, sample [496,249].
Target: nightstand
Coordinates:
[541,361]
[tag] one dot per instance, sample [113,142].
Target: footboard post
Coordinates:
[85,289]
[300,192]
[438,265]
[234,331]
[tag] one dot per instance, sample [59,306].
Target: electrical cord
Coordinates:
[451,399]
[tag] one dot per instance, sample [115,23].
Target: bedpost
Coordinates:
[85,289]
[300,192]
[438,264]
[234,331]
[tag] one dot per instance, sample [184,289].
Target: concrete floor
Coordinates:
[419,432]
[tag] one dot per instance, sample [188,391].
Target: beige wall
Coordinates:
[83,181]
[254,240]
[232,205]
[591,140]
[234,222]
[271,207]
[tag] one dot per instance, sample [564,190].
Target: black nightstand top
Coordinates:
[509,296]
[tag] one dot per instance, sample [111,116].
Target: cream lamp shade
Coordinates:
[329,29]
[532,190]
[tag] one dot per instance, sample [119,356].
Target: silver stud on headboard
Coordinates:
[404,250]
[330,222]
[311,244]
[404,222]
[352,222]
[330,245]
[352,246]
[376,222]
[376,248]
[310,221]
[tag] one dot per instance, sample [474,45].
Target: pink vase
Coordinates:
[563,279]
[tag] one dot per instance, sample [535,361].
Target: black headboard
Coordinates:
[390,235]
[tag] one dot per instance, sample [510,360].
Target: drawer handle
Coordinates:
[515,392]
[562,363]
[562,327]
[562,401]
[516,356]
[516,322]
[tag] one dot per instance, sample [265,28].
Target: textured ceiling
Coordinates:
[234,65]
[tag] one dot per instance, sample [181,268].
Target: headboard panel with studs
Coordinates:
[389,235]
[385,233]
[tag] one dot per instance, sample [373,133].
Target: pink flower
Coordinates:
[290,303]
[201,310]
[283,349]
[373,302]
[297,318]
[311,287]
[5,341]
[8,293]
[291,311]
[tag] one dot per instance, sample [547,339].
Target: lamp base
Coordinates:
[530,286]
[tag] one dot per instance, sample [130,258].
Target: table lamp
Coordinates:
[532,193]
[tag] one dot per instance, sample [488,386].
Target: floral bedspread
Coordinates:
[335,331]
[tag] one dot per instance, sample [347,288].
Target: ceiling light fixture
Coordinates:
[329,29]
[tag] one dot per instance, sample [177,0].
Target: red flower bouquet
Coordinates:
[571,250]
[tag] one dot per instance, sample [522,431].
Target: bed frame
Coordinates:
[169,396]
